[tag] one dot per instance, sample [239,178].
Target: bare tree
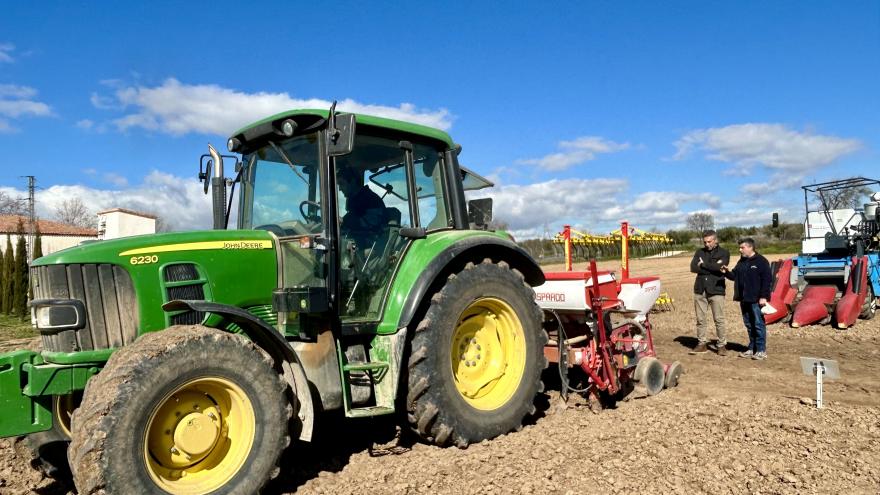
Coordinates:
[12,206]
[850,197]
[162,225]
[700,221]
[74,212]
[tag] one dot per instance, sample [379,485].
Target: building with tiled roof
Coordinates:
[55,235]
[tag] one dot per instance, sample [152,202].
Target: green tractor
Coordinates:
[358,278]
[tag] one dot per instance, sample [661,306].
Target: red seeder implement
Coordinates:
[600,326]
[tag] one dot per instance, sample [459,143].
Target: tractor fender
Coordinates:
[456,255]
[270,341]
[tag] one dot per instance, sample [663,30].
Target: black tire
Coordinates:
[49,448]
[108,452]
[437,410]
[649,374]
[870,307]
[49,453]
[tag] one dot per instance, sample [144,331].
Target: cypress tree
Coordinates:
[38,244]
[8,263]
[38,253]
[2,280]
[20,275]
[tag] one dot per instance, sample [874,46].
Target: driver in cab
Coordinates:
[364,209]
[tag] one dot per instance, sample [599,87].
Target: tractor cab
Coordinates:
[344,198]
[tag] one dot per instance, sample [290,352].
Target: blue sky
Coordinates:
[582,113]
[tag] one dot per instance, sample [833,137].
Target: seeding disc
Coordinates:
[673,373]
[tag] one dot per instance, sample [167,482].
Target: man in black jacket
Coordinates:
[709,290]
[752,283]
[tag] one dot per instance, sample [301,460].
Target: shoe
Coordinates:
[747,354]
[722,350]
[760,356]
[701,348]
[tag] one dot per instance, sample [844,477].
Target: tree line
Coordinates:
[14,276]
[697,223]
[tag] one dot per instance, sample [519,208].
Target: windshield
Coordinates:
[281,189]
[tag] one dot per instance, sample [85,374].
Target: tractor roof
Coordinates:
[368,120]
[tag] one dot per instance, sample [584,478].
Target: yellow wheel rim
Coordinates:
[488,354]
[199,436]
[62,407]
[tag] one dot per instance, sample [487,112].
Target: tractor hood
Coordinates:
[119,251]
[235,267]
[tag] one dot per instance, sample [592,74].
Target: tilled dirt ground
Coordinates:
[732,426]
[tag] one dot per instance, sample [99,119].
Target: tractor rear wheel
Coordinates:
[476,357]
[188,410]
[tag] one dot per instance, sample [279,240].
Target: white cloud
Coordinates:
[14,91]
[177,108]
[115,179]
[659,201]
[772,145]
[529,209]
[179,202]
[589,205]
[17,108]
[575,152]
[777,183]
[104,102]
[18,101]
[6,50]
[85,124]
[755,216]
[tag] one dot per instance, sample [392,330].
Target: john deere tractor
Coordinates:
[358,278]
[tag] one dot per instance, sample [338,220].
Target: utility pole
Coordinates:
[32,220]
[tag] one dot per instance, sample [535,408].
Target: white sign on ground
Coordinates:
[820,368]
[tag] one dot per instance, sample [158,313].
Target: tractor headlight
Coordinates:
[58,314]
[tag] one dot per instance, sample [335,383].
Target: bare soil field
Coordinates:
[732,426]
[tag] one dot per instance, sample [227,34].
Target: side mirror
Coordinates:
[341,135]
[480,212]
[205,173]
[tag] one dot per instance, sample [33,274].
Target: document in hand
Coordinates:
[768,310]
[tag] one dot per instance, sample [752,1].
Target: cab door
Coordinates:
[383,186]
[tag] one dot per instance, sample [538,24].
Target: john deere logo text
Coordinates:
[242,245]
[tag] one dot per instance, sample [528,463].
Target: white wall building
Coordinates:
[119,222]
[55,236]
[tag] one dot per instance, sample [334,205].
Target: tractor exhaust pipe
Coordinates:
[218,190]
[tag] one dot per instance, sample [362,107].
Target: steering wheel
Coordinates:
[310,218]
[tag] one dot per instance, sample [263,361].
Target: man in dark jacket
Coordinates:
[709,291]
[752,283]
[364,217]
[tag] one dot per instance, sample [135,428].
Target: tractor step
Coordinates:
[369,366]
[363,412]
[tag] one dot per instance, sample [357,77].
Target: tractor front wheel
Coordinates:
[188,410]
[476,357]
